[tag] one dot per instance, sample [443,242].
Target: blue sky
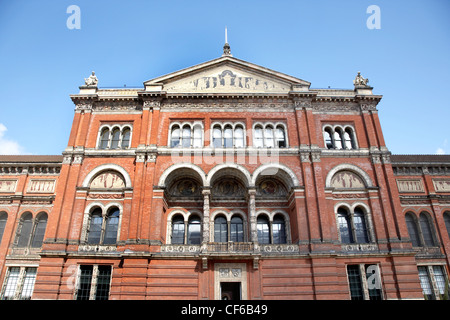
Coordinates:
[42,61]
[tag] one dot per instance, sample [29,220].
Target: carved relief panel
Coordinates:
[41,186]
[347,180]
[8,185]
[108,180]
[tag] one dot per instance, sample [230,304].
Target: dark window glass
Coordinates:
[112,226]
[345,226]
[263,230]
[103,283]
[95,227]
[178,230]
[426,230]
[3,219]
[412,230]
[447,222]
[194,231]
[373,282]
[25,231]
[115,139]
[126,138]
[84,285]
[355,283]
[39,231]
[278,230]
[220,229]
[359,222]
[327,134]
[425,283]
[104,139]
[237,229]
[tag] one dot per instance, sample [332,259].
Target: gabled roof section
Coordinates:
[226,75]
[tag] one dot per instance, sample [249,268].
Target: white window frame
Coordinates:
[342,128]
[94,279]
[192,125]
[233,125]
[19,285]
[111,128]
[274,126]
[87,222]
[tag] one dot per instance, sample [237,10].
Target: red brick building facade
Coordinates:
[225,180]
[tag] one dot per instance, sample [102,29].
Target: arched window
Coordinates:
[217,136]
[239,137]
[447,221]
[345,228]
[25,230]
[186,138]
[178,229]
[337,139]
[327,134]
[220,229]
[258,137]
[349,140]
[126,138]
[426,229]
[39,232]
[197,136]
[263,230]
[280,137]
[175,136]
[95,226]
[237,229]
[112,226]
[268,137]
[228,137]
[3,219]
[104,139]
[412,229]
[194,230]
[278,230]
[115,138]
[359,223]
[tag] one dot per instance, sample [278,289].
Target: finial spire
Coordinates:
[226,47]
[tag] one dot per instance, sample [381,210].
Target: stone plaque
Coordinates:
[8,185]
[410,185]
[441,185]
[41,186]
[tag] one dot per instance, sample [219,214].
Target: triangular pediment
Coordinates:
[226,75]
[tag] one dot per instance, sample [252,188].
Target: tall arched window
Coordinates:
[220,229]
[239,137]
[327,135]
[236,229]
[194,235]
[3,219]
[175,136]
[447,221]
[217,136]
[258,137]
[345,228]
[412,229]
[263,230]
[178,229]
[25,230]
[349,140]
[280,137]
[115,138]
[278,230]
[337,139]
[186,138]
[197,143]
[268,137]
[359,223]
[426,229]
[95,226]
[104,138]
[39,232]
[126,134]
[228,137]
[112,226]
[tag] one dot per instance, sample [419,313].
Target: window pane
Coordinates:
[268,137]
[447,222]
[426,230]
[355,283]
[175,137]
[11,283]
[178,230]
[338,140]
[425,283]
[360,226]
[373,282]
[28,283]
[228,137]
[345,226]
[349,139]
[280,137]
[95,227]
[258,137]
[328,140]
[197,137]
[3,219]
[126,138]
[103,283]
[279,233]
[194,231]
[220,229]
[263,230]
[412,230]
[239,137]
[115,139]
[186,140]
[104,139]
[112,226]
[237,229]
[39,232]
[440,278]
[217,137]
[84,285]
[25,231]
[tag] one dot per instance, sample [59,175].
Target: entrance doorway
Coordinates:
[230,290]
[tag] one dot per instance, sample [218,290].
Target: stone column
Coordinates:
[206,235]
[252,215]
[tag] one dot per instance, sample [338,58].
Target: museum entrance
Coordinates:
[230,290]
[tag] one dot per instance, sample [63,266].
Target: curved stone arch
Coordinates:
[265,213]
[348,167]
[105,167]
[184,165]
[240,213]
[241,169]
[218,212]
[283,213]
[343,204]
[365,207]
[275,166]
[183,213]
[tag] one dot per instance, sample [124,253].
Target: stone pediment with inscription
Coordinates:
[227,80]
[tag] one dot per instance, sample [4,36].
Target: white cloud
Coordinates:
[440,151]
[7,146]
